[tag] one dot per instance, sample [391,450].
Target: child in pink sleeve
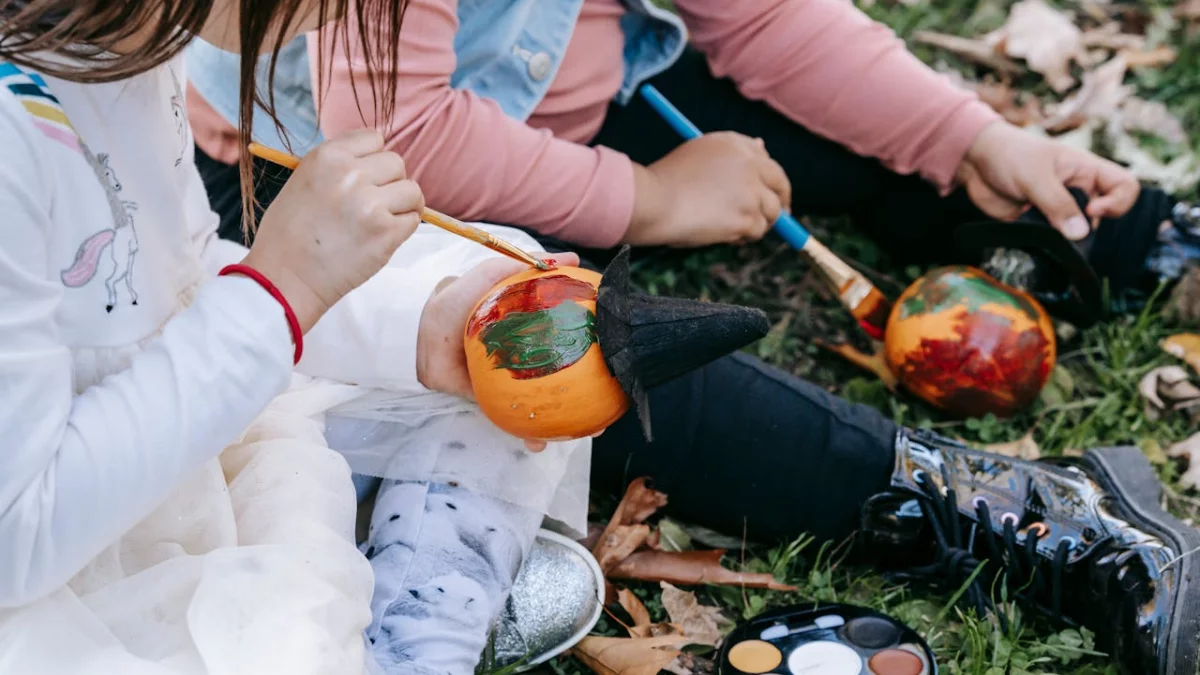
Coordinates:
[831,115]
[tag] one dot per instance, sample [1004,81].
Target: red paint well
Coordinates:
[896,662]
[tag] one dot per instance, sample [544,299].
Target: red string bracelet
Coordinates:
[293,322]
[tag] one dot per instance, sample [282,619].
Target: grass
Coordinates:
[1092,401]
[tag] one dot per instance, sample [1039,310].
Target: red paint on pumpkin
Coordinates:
[530,295]
[1001,381]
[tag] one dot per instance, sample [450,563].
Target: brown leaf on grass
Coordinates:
[1152,117]
[1181,173]
[1188,10]
[1046,38]
[705,625]
[1184,346]
[690,568]
[690,664]
[1109,36]
[970,49]
[1184,305]
[628,656]
[1015,106]
[1100,97]
[873,363]
[634,607]
[1022,448]
[1189,450]
[626,532]
[1149,58]
[1168,389]
[617,543]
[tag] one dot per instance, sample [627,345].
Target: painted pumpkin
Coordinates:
[534,360]
[970,344]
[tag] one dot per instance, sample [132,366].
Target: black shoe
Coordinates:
[1083,541]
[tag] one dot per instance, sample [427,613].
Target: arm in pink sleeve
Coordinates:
[472,160]
[829,67]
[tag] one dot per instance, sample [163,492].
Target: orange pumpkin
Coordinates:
[534,359]
[970,344]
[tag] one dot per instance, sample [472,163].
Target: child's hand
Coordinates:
[1006,170]
[336,222]
[441,356]
[720,188]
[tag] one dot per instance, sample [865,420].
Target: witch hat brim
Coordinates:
[647,340]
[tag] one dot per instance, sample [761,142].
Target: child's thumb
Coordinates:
[1052,198]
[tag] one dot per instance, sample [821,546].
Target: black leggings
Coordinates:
[740,444]
[904,215]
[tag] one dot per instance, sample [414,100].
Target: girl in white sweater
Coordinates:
[168,503]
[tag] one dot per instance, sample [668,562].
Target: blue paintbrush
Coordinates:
[854,290]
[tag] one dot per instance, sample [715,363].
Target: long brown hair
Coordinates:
[89,29]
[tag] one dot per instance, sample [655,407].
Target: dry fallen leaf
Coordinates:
[1149,58]
[874,363]
[970,49]
[1185,298]
[1046,38]
[618,542]
[690,664]
[690,568]
[1184,346]
[1109,36]
[1188,10]
[634,607]
[1017,109]
[628,656]
[703,624]
[1152,117]
[1181,173]
[1168,389]
[1190,450]
[1022,448]
[1100,97]
[626,532]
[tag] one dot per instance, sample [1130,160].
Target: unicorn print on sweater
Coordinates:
[120,242]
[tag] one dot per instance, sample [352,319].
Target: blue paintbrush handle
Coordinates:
[787,226]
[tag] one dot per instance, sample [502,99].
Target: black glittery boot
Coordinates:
[1083,541]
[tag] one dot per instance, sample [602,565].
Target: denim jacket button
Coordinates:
[539,66]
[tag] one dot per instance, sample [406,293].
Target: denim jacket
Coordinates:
[507,50]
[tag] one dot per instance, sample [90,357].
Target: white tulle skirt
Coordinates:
[250,567]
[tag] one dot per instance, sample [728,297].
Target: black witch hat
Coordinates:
[647,340]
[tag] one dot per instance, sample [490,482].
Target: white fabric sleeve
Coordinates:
[370,337]
[77,471]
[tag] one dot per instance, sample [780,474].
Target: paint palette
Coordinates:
[828,639]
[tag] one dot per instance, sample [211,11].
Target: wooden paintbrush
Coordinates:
[857,294]
[430,216]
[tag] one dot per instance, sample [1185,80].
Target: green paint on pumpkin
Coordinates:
[945,288]
[539,343]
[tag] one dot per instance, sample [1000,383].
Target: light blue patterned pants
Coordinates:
[445,560]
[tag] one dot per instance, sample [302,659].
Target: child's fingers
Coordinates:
[1117,191]
[360,142]
[402,196]
[774,177]
[382,168]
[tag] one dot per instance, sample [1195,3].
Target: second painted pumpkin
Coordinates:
[970,344]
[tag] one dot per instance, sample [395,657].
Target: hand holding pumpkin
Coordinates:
[441,358]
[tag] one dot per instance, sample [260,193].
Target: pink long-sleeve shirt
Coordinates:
[822,63]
